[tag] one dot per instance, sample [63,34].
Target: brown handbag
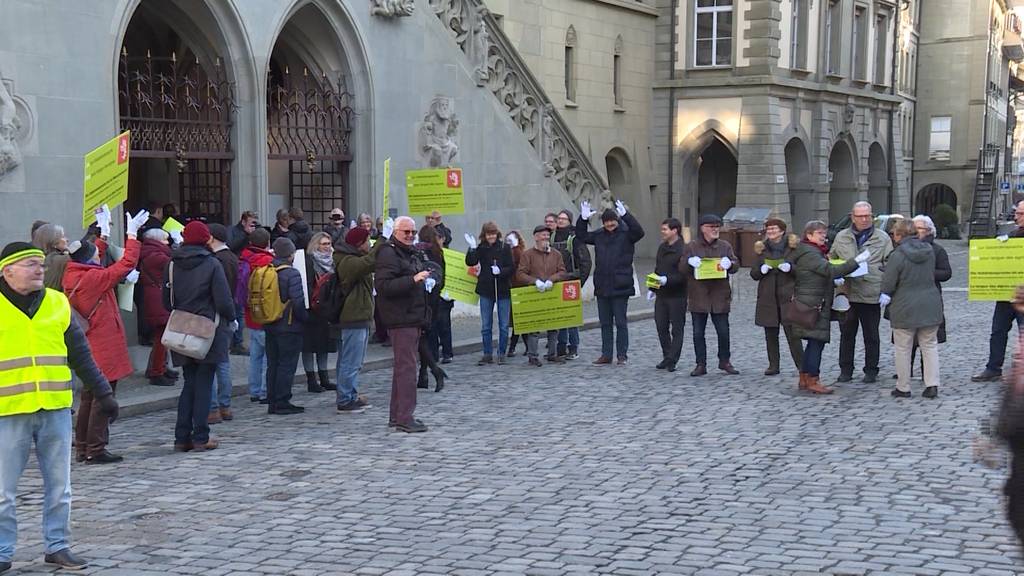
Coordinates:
[799,314]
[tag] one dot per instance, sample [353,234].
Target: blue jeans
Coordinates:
[812,357]
[612,314]
[351,353]
[568,340]
[220,397]
[257,363]
[51,432]
[700,347]
[487,324]
[237,335]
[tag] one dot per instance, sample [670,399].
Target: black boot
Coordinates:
[422,382]
[439,376]
[512,342]
[771,339]
[325,380]
[311,384]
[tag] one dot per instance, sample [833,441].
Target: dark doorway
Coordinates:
[716,179]
[843,187]
[802,205]
[931,196]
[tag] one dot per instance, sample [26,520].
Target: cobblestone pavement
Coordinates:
[569,470]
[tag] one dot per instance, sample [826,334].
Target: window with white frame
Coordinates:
[938,141]
[860,36]
[798,35]
[881,49]
[834,36]
[713,33]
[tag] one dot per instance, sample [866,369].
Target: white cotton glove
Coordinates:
[133,223]
[103,220]
[176,236]
[1002,237]
[446,296]
[351,224]
[785,267]
[620,208]
[470,240]
[388,228]
[132,277]
[233,326]
[585,211]
[662,280]
[495,270]
[429,284]
[863,257]
[694,262]
[765,268]
[726,263]
[651,295]
[884,299]
[839,282]
[548,284]
[541,286]
[512,240]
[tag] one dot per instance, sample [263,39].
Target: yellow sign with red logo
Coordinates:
[554,309]
[435,189]
[106,177]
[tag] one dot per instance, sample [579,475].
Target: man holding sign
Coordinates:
[541,267]
[1002,317]
[707,261]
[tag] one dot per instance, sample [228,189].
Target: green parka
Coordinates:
[814,287]
[355,271]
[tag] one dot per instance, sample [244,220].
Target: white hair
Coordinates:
[863,204]
[157,234]
[401,219]
[927,221]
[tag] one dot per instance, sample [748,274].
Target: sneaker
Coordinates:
[104,457]
[351,408]
[412,428]
[621,361]
[501,360]
[286,410]
[900,394]
[930,392]
[485,360]
[603,360]
[573,355]
[987,375]
[534,361]
[392,424]
[66,560]
[446,360]
[363,401]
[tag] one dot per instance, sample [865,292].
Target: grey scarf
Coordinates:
[323,262]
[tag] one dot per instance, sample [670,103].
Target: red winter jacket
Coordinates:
[256,257]
[152,267]
[96,289]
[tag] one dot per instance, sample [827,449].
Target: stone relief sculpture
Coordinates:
[438,132]
[10,125]
[392,8]
[481,46]
[548,142]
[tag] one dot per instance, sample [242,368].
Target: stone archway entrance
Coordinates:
[879,187]
[716,179]
[931,196]
[843,184]
[620,173]
[802,207]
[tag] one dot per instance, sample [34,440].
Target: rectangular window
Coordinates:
[570,75]
[881,50]
[938,142]
[834,36]
[798,32]
[860,35]
[713,33]
[617,79]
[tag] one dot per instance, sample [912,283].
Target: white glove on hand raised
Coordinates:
[839,281]
[785,267]
[233,326]
[662,280]
[765,268]
[694,262]
[1002,237]
[429,284]
[620,208]
[388,228]
[585,211]
[863,257]
[133,223]
[884,299]
[351,224]
[540,285]
[132,277]
[103,220]
[548,284]
[512,240]
[726,263]
[651,295]
[495,270]
[470,240]
[176,236]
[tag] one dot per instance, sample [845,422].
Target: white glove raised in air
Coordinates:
[662,280]
[470,240]
[1002,237]
[132,277]
[620,208]
[103,220]
[388,228]
[839,281]
[651,295]
[726,263]
[694,262]
[512,240]
[884,299]
[495,270]
[585,211]
[863,257]
[351,224]
[540,285]
[785,267]
[133,223]
[429,284]
[765,268]
[548,284]
[233,326]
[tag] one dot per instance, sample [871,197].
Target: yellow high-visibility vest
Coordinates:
[34,373]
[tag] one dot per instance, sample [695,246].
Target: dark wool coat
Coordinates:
[708,296]
[774,288]
[201,288]
[402,301]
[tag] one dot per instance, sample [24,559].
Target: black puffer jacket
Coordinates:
[300,234]
[613,255]
[402,302]
[200,287]
[487,255]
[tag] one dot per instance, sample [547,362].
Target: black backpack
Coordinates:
[328,298]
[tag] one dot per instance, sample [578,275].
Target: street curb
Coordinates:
[145,406]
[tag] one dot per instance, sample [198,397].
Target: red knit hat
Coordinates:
[195,233]
[356,236]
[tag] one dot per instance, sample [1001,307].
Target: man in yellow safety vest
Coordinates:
[40,344]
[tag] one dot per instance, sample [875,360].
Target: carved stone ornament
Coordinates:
[849,113]
[392,8]
[481,47]
[10,127]
[437,142]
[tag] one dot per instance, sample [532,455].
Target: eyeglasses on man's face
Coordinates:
[406,232]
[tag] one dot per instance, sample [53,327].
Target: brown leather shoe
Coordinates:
[700,370]
[803,381]
[214,417]
[226,415]
[814,386]
[211,444]
[182,447]
[603,360]
[727,368]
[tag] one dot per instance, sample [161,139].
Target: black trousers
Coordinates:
[1002,320]
[283,351]
[866,317]
[700,347]
[670,318]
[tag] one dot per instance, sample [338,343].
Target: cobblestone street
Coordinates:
[570,469]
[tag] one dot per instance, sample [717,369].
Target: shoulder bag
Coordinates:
[186,333]
[799,314]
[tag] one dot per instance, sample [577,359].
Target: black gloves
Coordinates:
[109,407]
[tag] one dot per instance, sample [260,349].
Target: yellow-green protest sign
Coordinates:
[435,189]
[995,269]
[387,186]
[560,307]
[106,177]
[773,262]
[459,279]
[172,225]
[710,269]
[651,281]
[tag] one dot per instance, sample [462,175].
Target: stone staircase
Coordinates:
[498,67]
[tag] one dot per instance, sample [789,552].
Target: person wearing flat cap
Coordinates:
[709,297]
[36,397]
[542,267]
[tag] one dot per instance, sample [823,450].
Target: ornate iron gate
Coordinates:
[309,123]
[181,109]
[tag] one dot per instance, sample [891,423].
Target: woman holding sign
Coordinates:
[494,257]
[772,271]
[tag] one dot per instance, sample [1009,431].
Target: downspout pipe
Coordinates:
[673,18]
[892,128]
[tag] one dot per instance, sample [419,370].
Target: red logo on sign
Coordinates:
[474,271]
[454,178]
[571,291]
[122,149]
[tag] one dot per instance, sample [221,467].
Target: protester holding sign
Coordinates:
[613,274]
[541,267]
[773,272]
[431,251]
[494,257]
[1002,316]
[670,294]
[709,294]
[577,263]
[518,244]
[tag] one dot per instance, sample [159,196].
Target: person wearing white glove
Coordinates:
[585,212]
[1003,237]
[710,297]
[429,284]
[103,220]
[512,240]
[620,208]
[132,277]
[839,282]
[493,289]
[387,228]
[869,246]
[670,297]
[470,240]
[774,291]
[1003,317]
[495,270]
[884,300]
[541,267]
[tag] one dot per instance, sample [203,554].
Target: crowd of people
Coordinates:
[205,290]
